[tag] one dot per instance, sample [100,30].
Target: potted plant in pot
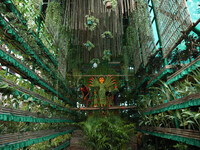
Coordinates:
[88,45]
[110,4]
[107,34]
[91,22]
[107,55]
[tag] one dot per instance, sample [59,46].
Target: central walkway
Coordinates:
[76,140]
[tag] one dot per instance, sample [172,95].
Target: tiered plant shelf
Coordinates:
[29,92]
[172,108]
[37,65]
[10,32]
[20,140]
[190,137]
[11,8]
[9,114]
[184,71]
[167,70]
[16,65]
[188,101]
[146,79]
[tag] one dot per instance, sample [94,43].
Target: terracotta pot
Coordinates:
[108,5]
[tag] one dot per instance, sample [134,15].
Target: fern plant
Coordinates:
[181,146]
[110,132]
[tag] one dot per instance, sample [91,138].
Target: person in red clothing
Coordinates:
[85,91]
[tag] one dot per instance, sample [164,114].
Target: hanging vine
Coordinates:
[141,17]
[60,34]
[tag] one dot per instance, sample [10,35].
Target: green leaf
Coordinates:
[178,115]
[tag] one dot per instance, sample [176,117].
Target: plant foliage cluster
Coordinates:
[110,132]
[113,3]
[94,22]
[187,118]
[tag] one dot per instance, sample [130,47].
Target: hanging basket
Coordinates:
[108,5]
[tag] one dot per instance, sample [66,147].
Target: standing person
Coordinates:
[85,91]
[115,94]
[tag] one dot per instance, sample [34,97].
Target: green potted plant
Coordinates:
[89,45]
[110,132]
[107,55]
[107,34]
[91,22]
[110,4]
